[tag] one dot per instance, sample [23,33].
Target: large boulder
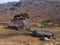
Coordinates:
[43,33]
[21,21]
[18,24]
[27,23]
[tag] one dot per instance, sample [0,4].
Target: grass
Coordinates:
[23,37]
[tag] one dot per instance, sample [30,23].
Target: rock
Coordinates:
[44,38]
[43,33]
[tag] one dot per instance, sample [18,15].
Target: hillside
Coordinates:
[37,9]
[23,37]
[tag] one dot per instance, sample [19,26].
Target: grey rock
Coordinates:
[43,33]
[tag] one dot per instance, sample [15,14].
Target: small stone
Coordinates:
[46,38]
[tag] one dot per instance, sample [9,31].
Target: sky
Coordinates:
[5,1]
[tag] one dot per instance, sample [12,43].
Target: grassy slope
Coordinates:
[14,37]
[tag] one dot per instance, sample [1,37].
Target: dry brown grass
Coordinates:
[23,37]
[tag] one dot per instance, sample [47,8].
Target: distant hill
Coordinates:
[37,9]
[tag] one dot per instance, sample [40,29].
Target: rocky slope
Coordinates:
[37,9]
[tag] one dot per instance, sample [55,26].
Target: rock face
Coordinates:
[20,23]
[18,4]
[27,23]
